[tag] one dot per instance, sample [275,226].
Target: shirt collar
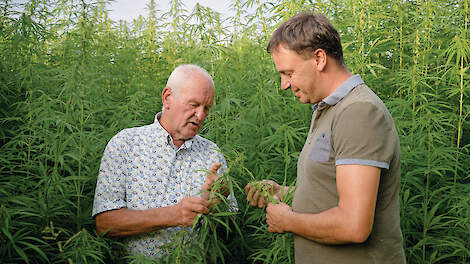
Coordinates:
[169,140]
[341,91]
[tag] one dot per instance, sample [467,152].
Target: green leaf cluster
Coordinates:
[70,79]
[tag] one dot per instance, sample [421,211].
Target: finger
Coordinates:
[194,200]
[205,194]
[247,189]
[213,202]
[210,178]
[254,200]
[215,167]
[206,186]
[200,208]
[203,202]
[250,192]
[261,202]
[270,229]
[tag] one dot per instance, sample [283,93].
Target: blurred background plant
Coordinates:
[71,79]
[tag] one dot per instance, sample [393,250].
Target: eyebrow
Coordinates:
[199,103]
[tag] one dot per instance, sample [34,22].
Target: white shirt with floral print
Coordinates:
[141,168]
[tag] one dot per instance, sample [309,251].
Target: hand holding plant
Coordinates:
[188,208]
[214,186]
[276,199]
[260,193]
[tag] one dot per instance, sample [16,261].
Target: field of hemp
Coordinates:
[71,79]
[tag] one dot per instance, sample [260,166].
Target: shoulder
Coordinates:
[361,103]
[133,134]
[363,113]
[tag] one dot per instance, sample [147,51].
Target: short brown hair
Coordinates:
[307,32]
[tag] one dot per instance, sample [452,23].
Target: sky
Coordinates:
[130,9]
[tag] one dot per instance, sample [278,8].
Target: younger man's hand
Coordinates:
[258,193]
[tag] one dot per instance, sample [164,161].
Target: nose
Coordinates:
[285,83]
[200,113]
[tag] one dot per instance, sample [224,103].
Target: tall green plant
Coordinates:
[70,79]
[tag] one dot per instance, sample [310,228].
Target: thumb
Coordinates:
[211,175]
[215,167]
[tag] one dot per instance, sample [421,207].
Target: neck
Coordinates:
[333,76]
[178,142]
[164,122]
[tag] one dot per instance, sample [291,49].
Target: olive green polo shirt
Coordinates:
[351,126]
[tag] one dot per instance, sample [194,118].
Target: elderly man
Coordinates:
[151,177]
[345,207]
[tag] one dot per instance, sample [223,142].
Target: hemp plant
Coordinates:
[280,249]
[207,240]
[71,79]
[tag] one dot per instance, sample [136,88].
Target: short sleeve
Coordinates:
[110,190]
[364,134]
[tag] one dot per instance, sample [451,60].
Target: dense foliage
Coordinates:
[70,79]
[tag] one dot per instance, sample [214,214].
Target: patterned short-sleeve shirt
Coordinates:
[141,168]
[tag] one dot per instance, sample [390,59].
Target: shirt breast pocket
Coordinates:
[321,148]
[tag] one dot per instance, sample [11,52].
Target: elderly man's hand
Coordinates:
[188,208]
[277,217]
[208,186]
[259,193]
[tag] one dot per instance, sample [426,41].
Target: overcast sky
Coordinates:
[130,9]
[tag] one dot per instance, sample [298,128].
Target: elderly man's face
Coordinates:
[189,107]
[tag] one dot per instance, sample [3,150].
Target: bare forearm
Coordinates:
[127,222]
[332,226]
[350,221]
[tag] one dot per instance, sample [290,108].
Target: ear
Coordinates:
[166,97]
[320,59]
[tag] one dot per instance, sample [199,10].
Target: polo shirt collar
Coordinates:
[169,140]
[341,91]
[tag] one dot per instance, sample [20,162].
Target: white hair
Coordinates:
[182,72]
